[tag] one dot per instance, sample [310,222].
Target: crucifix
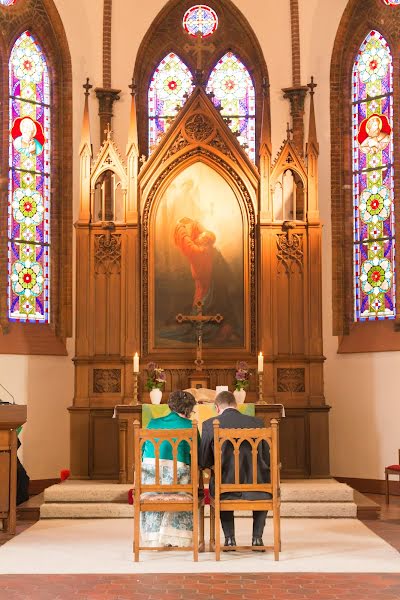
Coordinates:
[198,48]
[199,319]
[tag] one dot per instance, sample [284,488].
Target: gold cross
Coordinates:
[199,319]
[198,48]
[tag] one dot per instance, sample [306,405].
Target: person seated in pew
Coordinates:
[230,418]
[169,528]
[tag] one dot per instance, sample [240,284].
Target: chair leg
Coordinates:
[136,527]
[277,533]
[217,530]
[212,529]
[387,487]
[195,533]
[202,546]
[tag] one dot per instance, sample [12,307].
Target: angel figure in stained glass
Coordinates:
[28,136]
[374,134]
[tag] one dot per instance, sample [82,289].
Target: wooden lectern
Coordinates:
[11,417]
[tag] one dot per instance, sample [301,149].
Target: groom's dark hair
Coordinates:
[224,399]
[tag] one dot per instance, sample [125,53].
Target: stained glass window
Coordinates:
[7,2]
[392,2]
[233,88]
[168,90]
[200,19]
[29,183]
[373,197]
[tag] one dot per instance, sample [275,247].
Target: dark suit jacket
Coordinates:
[232,418]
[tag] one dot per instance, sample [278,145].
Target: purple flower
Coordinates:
[241,375]
[241,365]
[160,376]
[151,366]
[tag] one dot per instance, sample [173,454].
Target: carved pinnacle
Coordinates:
[87,87]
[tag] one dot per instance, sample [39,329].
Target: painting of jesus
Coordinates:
[199,257]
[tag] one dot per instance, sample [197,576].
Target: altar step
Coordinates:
[321,498]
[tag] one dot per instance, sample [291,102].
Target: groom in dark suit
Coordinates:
[229,417]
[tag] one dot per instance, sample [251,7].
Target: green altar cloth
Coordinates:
[201,413]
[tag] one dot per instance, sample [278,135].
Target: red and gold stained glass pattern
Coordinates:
[373,190]
[233,89]
[170,85]
[29,183]
[200,19]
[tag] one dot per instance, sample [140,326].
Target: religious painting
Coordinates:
[199,257]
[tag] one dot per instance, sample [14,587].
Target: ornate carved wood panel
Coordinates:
[291,380]
[106,381]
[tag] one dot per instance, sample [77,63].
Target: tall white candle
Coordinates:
[260,363]
[136,363]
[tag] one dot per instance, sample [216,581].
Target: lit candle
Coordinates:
[136,363]
[260,363]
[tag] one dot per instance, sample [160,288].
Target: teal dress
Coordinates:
[167,528]
[171,421]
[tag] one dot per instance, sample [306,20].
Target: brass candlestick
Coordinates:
[260,388]
[135,400]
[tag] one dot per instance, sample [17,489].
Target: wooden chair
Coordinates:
[254,437]
[165,498]
[391,470]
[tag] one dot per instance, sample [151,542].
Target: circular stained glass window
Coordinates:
[200,19]
[7,2]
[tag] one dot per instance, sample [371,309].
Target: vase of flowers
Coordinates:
[242,376]
[155,380]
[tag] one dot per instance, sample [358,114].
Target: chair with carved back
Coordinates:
[171,497]
[391,470]
[254,437]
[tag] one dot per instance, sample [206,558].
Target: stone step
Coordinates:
[114,510]
[86,510]
[317,490]
[84,491]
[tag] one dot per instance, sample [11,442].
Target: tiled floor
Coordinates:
[201,587]
[217,586]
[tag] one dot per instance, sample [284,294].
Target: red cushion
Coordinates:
[394,467]
[130,497]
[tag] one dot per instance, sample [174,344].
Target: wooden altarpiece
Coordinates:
[116,291]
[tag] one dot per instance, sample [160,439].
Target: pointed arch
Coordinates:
[364,177]
[169,88]
[37,76]
[373,190]
[29,214]
[233,89]
[233,32]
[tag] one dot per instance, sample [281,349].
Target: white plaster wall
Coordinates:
[360,388]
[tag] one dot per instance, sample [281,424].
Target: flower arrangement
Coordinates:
[242,375]
[155,378]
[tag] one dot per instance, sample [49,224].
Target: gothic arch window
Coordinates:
[202,34]
[36,152]
[29,186]
[364,177]
[373,191]
[169,87]
[233,90]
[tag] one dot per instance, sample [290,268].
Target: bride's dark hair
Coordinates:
[181,402]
